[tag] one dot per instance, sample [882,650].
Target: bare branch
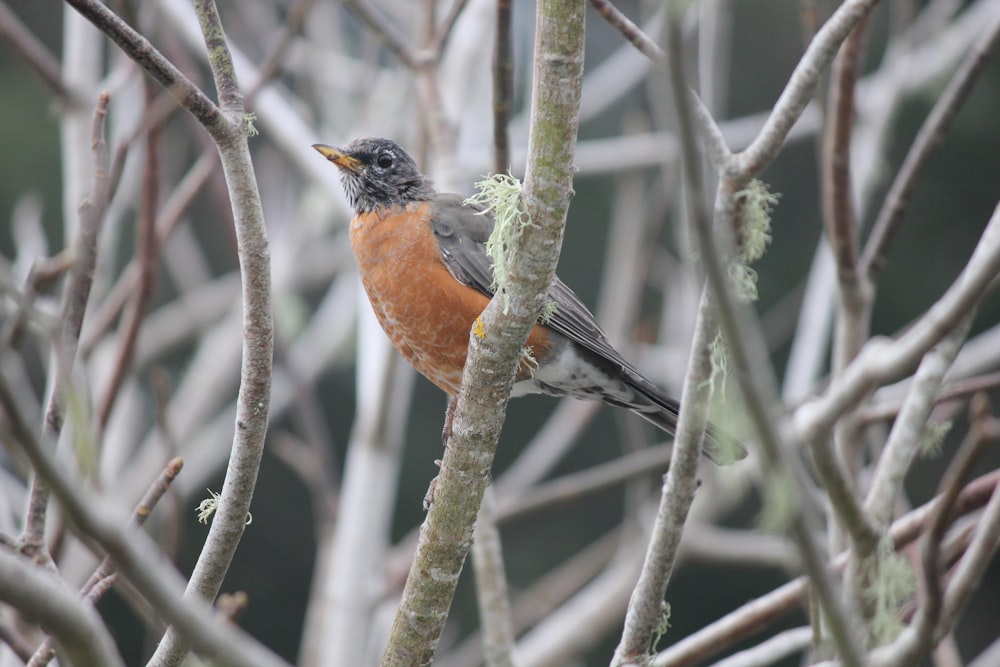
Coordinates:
[838,214]
[163,71]
[880,361]
[571,487]
[147,250]
[771,650]
[645,610]
[905,437]
[387,32]
[959,87]
[105,575]
[253,400]
[271,65]
[745,344]
[503,87]
[630,31]
[491,587]
[37,55]
[800,87]
[751,617]
[492,358]
[443,32]
[75,625]
[75,299]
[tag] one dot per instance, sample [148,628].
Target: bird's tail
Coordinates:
[660,410]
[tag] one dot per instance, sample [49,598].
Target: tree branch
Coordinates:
[630,31]
[493,357]
[253,400]
[756,614]
[890,216]
[139,49]
[37,55]
[76,626]
[798,92]
[491,587]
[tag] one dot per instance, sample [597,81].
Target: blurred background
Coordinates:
[316,72]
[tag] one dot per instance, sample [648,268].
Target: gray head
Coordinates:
[376,173]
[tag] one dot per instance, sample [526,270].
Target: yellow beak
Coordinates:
[339,157]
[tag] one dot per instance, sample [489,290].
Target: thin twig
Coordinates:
[907,432]
[503,87]
[630,31]
[37,55]
[968,576]
[771,650]
[881,361]
[40,595]
[537,603]
[491,587]
[444,31]
[838,211]
[890,216]
[387,32]
[170,215]
[137,557]
[748,355]
[105,574]
[888,409]
[939,608]
[798,92]
[152,61]
[757,614]
[271,65]
[147,251]
[578,485]
[952,483]
[75,299]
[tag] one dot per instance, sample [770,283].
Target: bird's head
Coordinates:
[377,173]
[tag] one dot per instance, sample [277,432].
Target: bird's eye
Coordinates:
[384,161]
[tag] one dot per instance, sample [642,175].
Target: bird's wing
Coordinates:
[462,230]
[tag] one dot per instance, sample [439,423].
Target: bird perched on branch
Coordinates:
[423,263]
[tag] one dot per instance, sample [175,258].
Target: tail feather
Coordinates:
[718,446]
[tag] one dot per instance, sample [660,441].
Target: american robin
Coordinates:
[423,262]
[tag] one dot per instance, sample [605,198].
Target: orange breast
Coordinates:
[426,313]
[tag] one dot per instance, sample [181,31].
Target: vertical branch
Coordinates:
[491,586]
[146,250]
[838,213]
[493,356]
[747,351]
[74,306]
[645,609]
[503,87]
[81,70]
[254,396]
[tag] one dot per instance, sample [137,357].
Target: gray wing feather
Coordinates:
[462,232]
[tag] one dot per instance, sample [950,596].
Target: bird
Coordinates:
[422,258]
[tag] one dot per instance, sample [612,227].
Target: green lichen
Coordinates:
[888,582]
[932,438]
[500,194]
[755,204]
[249,119]
[206,508]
